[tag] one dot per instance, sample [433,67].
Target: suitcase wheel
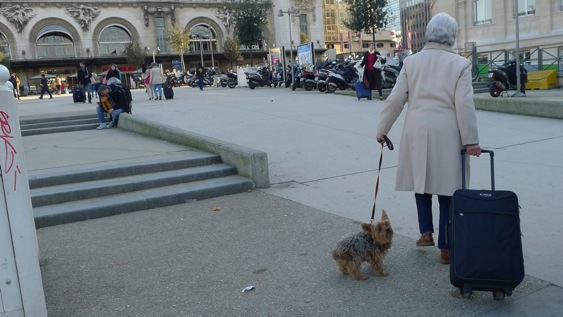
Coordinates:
[359,98]
[465,293]
[499,295]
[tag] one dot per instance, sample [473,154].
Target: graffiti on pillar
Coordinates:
[18,15]
[10,166]
[83,15]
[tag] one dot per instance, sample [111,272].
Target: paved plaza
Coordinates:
[323,165]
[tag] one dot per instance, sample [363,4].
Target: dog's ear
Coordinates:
[384,215]
[366,228]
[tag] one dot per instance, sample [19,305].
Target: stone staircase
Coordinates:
[58,124]
[64,196]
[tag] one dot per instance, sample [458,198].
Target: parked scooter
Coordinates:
[232,80]
[263,77]
[389,75]
[321,75]
[504,78]
[172,81]
[342,77]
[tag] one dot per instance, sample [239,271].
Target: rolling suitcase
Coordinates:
[485,239]
[78,95]
[362,91]
[168,92]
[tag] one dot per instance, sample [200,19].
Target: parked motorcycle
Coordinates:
[263,77]
[172,81]
[342,77]
[389,75]
[307,79]
[504,78]
[297,83]
[321,75]
[229,80]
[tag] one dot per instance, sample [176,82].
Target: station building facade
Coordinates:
[54,36]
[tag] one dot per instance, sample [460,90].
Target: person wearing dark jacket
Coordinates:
[45,87]
[84,80]
[372,76]
[200,74]
[113,71]
[111,106]
[16,83]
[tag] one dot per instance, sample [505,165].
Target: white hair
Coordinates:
[442,28]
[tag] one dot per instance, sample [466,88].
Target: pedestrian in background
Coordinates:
[372,75]
[84,81]
[440,121]
[58,84]
[200,74]
[156,80]
[94,83]
[16,83]
[147,79]
[113,71]
[45,87]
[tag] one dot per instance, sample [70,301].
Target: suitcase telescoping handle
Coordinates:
[491,154]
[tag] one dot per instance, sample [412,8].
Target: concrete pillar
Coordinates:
[21,287]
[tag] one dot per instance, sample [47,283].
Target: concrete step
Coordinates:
[57,125]
[124,169]
[139,200]
[106,187]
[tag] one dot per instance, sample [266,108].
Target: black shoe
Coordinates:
[51,97]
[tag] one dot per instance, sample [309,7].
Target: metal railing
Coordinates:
[533,58]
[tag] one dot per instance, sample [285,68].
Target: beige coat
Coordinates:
[436,84]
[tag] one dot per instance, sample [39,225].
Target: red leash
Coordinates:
[391,147]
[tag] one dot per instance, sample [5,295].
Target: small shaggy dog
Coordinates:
[370,245]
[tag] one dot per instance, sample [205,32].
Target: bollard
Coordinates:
[21,287]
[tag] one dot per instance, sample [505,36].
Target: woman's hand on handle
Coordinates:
[473,149]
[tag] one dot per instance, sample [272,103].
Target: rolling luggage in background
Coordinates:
[362,91]
[78,95]
[168,92]
[485,239]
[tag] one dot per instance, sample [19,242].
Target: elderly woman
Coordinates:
[440,121]
[156,80]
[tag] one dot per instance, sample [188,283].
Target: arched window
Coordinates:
[4,46]
[54,41]
[113,40]
[202,37]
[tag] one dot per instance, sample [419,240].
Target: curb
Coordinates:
[527,106]
[249,162]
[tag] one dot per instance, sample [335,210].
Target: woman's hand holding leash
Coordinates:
[384,140]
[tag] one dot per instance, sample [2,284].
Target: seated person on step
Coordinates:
[109,106]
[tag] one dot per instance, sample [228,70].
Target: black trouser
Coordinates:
[45,90]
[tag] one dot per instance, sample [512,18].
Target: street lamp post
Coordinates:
[201,49]
[153,58]
[290,13]
[518,83]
